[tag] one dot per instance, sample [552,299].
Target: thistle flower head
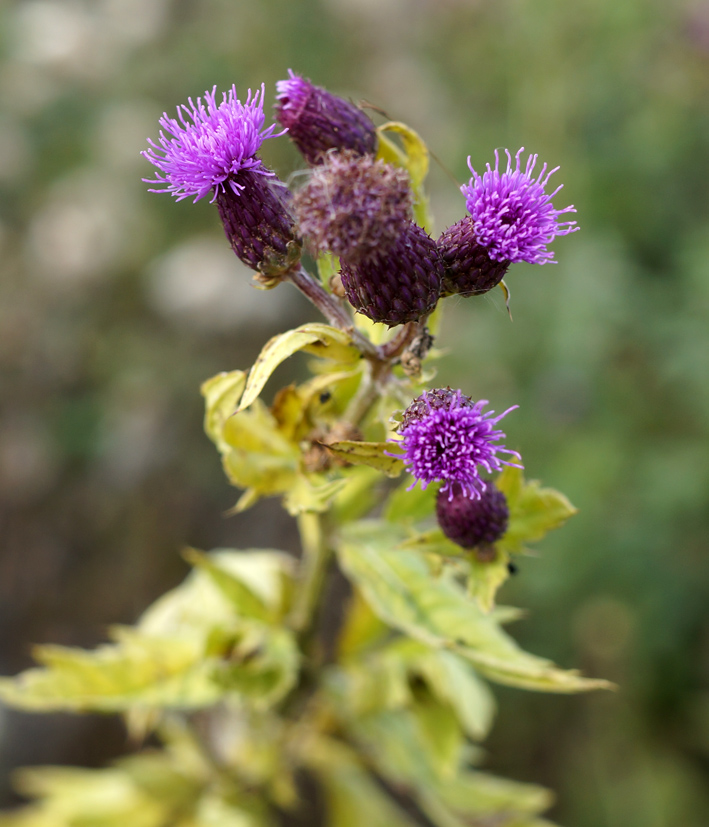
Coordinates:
[354,206]
[447,437]
[318,121]
[473,522]
[401,284]
[513,217]
[208,144]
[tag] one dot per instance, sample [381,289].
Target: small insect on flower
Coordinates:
[446,437]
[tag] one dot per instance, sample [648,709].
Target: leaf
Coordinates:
[190,649]
[252,581]
[361,629]
[400,588]
[454,681]
[413,158]
[256,455]
[221,393]
[319,339]
[140,671]
[534,511]
[352,797]
[408,504]
[373,454]
[486,577]
[358,496]
[311,493]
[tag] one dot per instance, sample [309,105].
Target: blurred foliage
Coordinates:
[105,334]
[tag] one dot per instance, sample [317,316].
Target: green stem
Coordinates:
[313,566]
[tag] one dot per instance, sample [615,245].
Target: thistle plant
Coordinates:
[408,489]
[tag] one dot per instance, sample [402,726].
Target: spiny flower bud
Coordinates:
[259,225]
[211,148]
[447,438]
[468,270]
[354,206]
[511,219]
[473,522]
[400,285]
[318,121]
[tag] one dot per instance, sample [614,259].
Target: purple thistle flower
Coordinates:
[513,217]
[206,154]
[446,437]
[318,121]
[212,148]
[354,206]
[472,522]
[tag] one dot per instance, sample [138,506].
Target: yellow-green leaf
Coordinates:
[401,589]
[319,339]
[221,394]
[486,577]
[534,511]
[374,454]
[413,158]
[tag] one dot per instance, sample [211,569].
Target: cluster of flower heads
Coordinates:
[360,209]
[353,206]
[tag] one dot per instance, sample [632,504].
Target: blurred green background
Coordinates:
[115,304]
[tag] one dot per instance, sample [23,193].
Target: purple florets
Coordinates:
[207,153]
[446,437]
[514,218]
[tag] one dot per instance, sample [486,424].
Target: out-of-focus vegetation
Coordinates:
[115,304]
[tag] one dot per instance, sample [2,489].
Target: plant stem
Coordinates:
[331,309]
[313,566]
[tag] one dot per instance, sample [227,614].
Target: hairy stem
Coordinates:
[331,308]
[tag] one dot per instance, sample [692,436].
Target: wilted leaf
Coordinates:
[318,339]
[373,454]
[534,511]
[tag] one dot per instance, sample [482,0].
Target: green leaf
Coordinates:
[454,681]
[192,647]
[352,797]
[373,454]
[401,589]
[408,504]
[534,511]
[486,577]
[319,339]
[311,493]
[256,455]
